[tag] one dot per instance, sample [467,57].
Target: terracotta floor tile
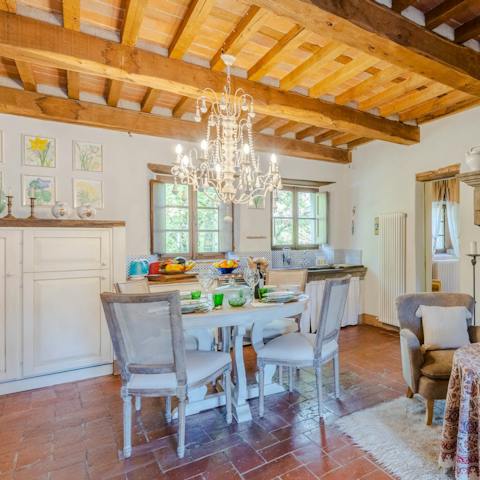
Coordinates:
[273,469]
[346,454]
[351,471]
[322,465]
[284,447]
[244,457]
[300,473]
[77,471]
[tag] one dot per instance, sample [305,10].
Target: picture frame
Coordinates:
[44,187]
[86,191]
[87,156]
[39,151]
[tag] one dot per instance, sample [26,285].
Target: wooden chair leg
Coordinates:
[409,393]
[227,385]
[261,390]
[429,412]
[168,409]
[127,424]
[181,426]
[336,374]
[138,403]
[318,376]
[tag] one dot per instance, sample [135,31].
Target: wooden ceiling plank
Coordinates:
[352,69]
[321,57]
[264,123]
[381,77]
[400,5]
[183,106]
[290,42]
[344,139]
[71,14]
[8,5]
[73,85]
[468,30]
[358,142]
[308,132]
[424,108]
[30,104]
[114,92]
[53,46]
[149,100]
[395,91]
[197,13]
[445,111]
[26,76]
[377,30]
[288,128]
[248,26]
[443,12]
[323,137]
[133,21]
[413,98]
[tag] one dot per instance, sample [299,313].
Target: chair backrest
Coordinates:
[133,286]
[407,306]
[287,276]
[331,313]
[147,332]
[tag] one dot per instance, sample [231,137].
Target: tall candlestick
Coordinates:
[473,248]
[9,214]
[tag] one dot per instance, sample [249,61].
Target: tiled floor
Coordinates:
[73,431]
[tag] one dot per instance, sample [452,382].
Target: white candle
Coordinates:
[473,248]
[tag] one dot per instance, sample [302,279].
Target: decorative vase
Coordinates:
[86,211]
[61,210]
[472,159]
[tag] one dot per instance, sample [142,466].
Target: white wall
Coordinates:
[382,178]
[125,177]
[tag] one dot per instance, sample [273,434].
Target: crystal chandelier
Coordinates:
[227,160]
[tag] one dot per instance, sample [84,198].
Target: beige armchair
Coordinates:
[427,374]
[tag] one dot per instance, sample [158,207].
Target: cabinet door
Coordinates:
[10,320]
[64,250]
[64,326]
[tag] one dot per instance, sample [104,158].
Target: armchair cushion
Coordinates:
[412,358]
[438,364]
[474,333]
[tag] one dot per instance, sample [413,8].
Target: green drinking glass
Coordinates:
[217,300]
[196,294]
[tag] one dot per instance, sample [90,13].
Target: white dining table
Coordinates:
[258,314]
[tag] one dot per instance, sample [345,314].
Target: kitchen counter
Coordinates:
[316,273]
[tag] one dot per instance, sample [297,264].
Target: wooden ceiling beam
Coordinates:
[264,123]
[344,139]
[133,21]
[248,26]
[308,132]
[73,85]
[379,31]
[114,92]
[71,20]
[447,110]
[444,11]
[400,5]
[183,106]
[149,100]
[53,46]
[348,71]
[381,77]
[323,137]
[288,128]
[358,142]
[468,30]
[29,104]
[26,76]
[320,57]
[288,43]
[197,13]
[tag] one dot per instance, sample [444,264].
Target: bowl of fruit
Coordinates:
[226,266]
[176,265]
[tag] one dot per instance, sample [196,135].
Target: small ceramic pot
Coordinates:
[472,159]
[86,211]
[61,210]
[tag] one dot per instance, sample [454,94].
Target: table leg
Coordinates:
[241,409]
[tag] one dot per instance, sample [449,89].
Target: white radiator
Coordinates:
[392,261]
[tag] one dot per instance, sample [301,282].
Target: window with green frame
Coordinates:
[299,218]
[188,223]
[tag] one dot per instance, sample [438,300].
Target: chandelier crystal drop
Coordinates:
[227,160]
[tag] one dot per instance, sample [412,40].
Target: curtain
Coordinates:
[452,219]
[436,217]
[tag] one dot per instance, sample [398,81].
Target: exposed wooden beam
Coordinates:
[264,123]
[308,132]
[26,76]
[447,110]
[133,21]
[183,105]
[114,92]
[323,137]
[288,128]
[71,14]
[379,31]
[320,57]
[358,142]
[149,100]
[381,77]
[19,102]
[444,11]
[344,139]
[8,5]
[73,85]
[248,25]
[468,30]
[400,5]
[197,12]
[288,43]
[343,74]
[26,39]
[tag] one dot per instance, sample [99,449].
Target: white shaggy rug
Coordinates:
[395,434]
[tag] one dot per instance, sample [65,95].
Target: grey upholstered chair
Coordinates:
[427,374]
[147,336]
[296,350]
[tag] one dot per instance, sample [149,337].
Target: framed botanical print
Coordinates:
[87,192]
[87,157]
[40,187]
[39,151]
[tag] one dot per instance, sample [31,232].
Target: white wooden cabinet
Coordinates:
[51,315]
